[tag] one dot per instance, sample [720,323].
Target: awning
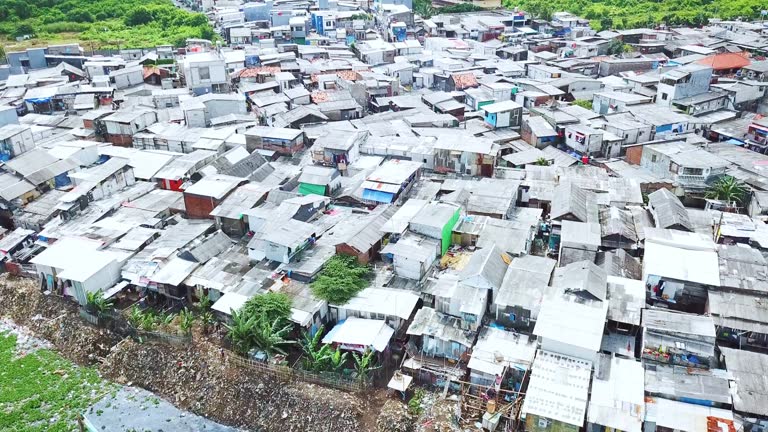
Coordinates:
[115,289]
[308,188]
[378,196]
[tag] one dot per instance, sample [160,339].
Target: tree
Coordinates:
[615,47]
[248,331]
[541,162]
[96,303]
[186,319]
[239,331]
[316,355]
[606,23]
[364,363]
[79,15]
[207,320]
[319,357]
[340,280]
[270,306]
[728,189]
[270,337]
[24,30]
[139,16]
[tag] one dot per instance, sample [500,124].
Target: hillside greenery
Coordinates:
[102,23]
[627,14]
[425,9]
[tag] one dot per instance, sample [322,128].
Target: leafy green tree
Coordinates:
[138,16]
[79,15]
[728,189]
[270,307]
[315,353]
[207,319]
[319,357]
[340,280]
[541,162]
[606,23]
[24,30]
[338,360]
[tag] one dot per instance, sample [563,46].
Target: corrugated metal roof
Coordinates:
[668,211]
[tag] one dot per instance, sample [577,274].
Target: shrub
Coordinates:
[340,280]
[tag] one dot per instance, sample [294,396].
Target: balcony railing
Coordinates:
[691,179]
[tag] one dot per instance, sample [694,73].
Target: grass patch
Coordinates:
[42,391]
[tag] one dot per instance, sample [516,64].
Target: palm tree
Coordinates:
[728,189]
[541,162]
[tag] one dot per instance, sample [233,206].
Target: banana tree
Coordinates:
[365,363]
[97,304]
[317,356]
[240,332]
[186,319]
[207,319]
[271,338]
[337,360]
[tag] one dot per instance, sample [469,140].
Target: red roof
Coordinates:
[726,61]
[255,71]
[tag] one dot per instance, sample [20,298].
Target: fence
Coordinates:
[116,322]
[286,373]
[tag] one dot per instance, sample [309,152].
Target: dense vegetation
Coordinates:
[426,10]
[625,14]
[622,14]
[340,280]
[103,23]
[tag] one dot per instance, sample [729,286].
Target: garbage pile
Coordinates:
[196,378]
[394,417]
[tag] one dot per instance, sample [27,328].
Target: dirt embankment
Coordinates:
[193,377]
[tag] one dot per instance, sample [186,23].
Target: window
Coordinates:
[663,96]
[653,158]
[205,73]
[693,171]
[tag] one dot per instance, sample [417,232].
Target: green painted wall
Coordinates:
[447,230]
[307,188]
